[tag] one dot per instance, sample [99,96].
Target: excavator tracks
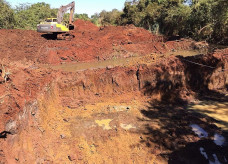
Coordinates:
[65,36]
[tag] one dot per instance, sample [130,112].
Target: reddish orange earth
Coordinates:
[110,95]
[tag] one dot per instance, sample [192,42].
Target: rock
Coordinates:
[109,67]
[62,136]
[66,119]
[34,108]
[72,157]
[63,58]
[11,127]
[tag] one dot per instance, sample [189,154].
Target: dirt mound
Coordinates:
[81,25]
[129,34]
[91,43]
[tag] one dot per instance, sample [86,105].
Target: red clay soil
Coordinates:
[19,49]
[20,98]
[81,25]
[31,87]
[90,43]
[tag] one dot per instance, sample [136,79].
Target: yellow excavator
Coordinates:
[56,27]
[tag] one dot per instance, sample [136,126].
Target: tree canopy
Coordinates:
[200,19]
[27,16]
[6,15]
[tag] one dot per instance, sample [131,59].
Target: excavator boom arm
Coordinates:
[63,10]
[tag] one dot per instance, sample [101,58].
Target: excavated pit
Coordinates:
[112,98]
[135,113]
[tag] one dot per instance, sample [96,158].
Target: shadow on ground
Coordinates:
[49,36]
[167,122]
[4,134]
[58,36]
[167,128]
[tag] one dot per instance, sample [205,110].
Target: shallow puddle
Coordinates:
[147,59]
[184,53]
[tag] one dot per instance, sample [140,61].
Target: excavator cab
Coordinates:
[56,26]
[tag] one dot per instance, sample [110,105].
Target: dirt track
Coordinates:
[110,95]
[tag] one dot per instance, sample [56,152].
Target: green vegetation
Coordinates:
[6,15]
[82,16]
[28,16]
[198,19]
[112,17]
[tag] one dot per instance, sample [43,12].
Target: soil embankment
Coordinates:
[110,95]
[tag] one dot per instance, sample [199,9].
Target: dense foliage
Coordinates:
[199,19]
[28,16]
[6,15]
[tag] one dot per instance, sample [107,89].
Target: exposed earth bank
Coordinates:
[110,95]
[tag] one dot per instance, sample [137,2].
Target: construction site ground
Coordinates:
[114,94]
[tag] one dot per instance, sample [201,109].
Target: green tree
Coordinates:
[82,16]
[109,17]
[95,19]
[199,19]
[209,20]
[175,20]
[6,15]
[28,16]
[220,23]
